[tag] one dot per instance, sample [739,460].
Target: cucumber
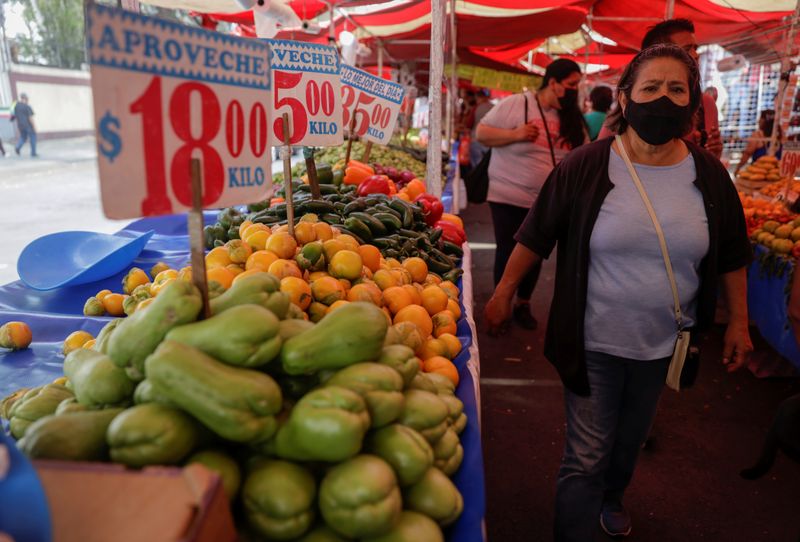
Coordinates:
[354,206]
[358,227]
[435,234]
[452,249]
[375,226]
[390,222]
[319,207]
[331,218]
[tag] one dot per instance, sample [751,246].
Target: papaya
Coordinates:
[36,403]
[101,341]
[146,393]
[351,334]
[68,406]
[219,462]
[257,289]
[244,336]
[290,328]
[138,336]
[96,381]
[72,436]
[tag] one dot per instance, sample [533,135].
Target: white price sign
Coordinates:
[165,93]
[306,86]
[375,103]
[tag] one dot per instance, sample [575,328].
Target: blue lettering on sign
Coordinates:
[374,133]
[245,176]
[322,128]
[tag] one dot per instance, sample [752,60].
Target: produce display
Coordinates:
[758,175]
[771,225]
[779,187]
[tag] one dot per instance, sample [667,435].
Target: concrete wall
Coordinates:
[61,99]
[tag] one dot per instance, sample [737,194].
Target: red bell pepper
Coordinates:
[376,184]
[452,232]
[432,208]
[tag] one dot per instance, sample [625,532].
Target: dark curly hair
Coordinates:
[572,125]
[663,31]
[601,97]
[616,121]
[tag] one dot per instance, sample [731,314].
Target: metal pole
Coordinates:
[454,99]
[433,177]
[787,66]
[380,59]
[670,11]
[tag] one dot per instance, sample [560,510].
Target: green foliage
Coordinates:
[56,33]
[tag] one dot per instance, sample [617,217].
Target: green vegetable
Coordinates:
[375,226]
[101,341]
[289,328]
[151,434]
[422,382]
[146,393]
[351,334]
[425,412]
[256,289]
[436,496]
[448,453]
[379,385]
[36,403]
[279,499]
[96,381]
[411,527]
[360,498]
[237,404]
[68,406]
[326,424]
[73,436]
[460,423]
[402,359]
[244,336]
[221,463]
[404,449]
[323,533]
[139,335]
[455,407]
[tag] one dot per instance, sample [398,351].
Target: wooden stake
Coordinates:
[196,237]
[287,174]
[350,137]
[367,151]
[311,171]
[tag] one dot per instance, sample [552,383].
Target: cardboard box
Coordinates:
[101,502]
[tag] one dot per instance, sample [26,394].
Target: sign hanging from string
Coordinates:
[371,104]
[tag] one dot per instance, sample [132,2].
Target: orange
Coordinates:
[101,294]
[365,292]
[384,279]
[345,264]
[413,293]
[238,250]
[304,233]
[396,298]
[366,273]
[442,366]
[349,241]
[346,284]
[257,240]
[418,316]
[222,275]
[283,228]
[282,244]
[393,263]
[371,257]
[15,335]
[434,299]
[433,279]
[236,269]
[401,275]
[331,247]
[88,345]
[75,340]
[453,344]
[316,311]
[432,348]
[327,290]
[285,268]
[310,218]
[317,275]
[244,233]
[218,257]
[336,304]
[298,290]
[451,289]
[243,226]
[323,231]
[417,267]
[455,308]
[260,259]
[113,304]
[444,322]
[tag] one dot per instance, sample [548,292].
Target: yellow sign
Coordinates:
[495,79]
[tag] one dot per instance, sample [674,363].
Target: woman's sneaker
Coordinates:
[615,520]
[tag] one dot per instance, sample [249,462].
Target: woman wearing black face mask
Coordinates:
[526,145]
[614,319]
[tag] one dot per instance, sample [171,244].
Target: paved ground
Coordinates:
[686,487]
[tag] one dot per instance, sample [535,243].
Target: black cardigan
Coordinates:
[565,213]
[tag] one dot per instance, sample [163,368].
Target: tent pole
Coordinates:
[456,207]
[433,177]
[670,9]
[380,59]
[787,66]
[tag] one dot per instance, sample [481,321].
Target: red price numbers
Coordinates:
[196,139]
[790,163]
[318,98]
[378,118]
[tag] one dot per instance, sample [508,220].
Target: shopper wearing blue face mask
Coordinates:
[622,297]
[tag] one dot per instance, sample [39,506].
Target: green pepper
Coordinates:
[73,436]
[244,336]
[324,173]
[36,403]
[448,453]
[279,499]
[411,527]
[237,404]
[404,449]
[360,498]
[436,496]
[327,424]
[219,462]
[151,434]
[101,342]
[379,385]
[425,412]
[323,533]
[258,289]
[96,381]
[422,382]
[460,423]
[402,359]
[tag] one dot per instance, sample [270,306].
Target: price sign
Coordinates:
[165,93]
[790,163]
[306,86]
[375,103]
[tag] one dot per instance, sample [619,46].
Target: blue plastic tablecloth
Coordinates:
[54,315]
[767,300]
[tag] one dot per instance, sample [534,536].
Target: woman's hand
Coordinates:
[526,132]
[497,313]
[737,346]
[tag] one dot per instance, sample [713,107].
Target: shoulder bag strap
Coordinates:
[546,130]
[526,107]
[659,232]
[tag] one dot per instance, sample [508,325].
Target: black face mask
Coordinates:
[569,99]
[658,121]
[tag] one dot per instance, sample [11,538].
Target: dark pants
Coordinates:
[605,432]
[24,135]
[507,219]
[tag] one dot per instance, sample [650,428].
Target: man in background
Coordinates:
[23,113]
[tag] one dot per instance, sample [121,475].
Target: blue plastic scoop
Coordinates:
[77,257]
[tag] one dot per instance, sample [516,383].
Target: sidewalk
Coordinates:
[51,152]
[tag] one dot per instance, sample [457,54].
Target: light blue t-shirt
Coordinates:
[629,307]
